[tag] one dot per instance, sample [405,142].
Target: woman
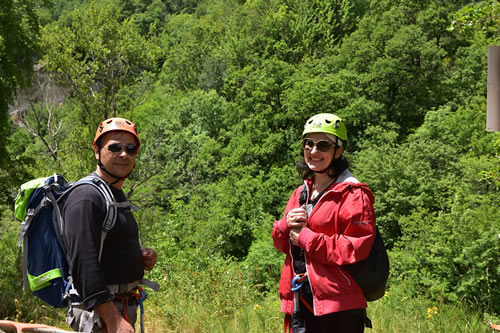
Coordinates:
[328,222]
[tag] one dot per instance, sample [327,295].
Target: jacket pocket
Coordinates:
[328,281]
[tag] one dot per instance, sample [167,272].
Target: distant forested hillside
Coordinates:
[220,91]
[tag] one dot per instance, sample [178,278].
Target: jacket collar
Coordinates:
[344,181]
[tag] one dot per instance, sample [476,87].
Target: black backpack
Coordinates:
[372,273]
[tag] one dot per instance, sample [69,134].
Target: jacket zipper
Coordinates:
[345,276]
[305,257]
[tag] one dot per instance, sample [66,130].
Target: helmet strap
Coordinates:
[101,166]
[326,170]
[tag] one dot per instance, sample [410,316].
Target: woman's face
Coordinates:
[318,159]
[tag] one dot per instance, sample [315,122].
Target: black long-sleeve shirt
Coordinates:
[121,261]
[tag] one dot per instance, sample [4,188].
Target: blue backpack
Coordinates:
[45,261]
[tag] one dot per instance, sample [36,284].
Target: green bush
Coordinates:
[264,263]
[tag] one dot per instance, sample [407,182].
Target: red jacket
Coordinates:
[340,230]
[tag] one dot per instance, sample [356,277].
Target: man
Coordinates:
[107,285]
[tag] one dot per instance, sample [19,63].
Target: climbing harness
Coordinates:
[135,296]
[297,283]
[141,296]
[288,323]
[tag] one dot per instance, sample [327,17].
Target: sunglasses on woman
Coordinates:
[321,145]
[130,149]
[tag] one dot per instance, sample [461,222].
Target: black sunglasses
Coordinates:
[322,145]
[130,149]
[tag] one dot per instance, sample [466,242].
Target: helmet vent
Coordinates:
[325,123]
[116,124]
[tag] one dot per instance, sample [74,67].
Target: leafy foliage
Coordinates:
[220,91]
[95,54]
[19,39]
[483,15]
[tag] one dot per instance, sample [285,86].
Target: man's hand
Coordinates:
[149,257]
[115,323]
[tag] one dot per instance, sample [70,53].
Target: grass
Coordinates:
[391,314]
[215,297]
[398,313]
[217,300]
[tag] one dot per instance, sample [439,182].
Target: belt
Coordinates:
[121,288]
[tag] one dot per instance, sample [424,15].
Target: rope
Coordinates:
[141,296]
[297,283]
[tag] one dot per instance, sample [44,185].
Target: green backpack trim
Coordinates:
[43,280]
[24,195]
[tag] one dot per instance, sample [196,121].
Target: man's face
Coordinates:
[118,152]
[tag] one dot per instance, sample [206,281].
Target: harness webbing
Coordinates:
[287,323]
[139,296]
[297,283]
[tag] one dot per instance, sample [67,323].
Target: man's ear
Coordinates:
[96,152]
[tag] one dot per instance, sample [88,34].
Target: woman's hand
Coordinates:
[296,217]
[297,220]
[294,234]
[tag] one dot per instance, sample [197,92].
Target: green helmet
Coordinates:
[326,123]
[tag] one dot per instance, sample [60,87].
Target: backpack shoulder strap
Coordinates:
[103,188]
[111,205]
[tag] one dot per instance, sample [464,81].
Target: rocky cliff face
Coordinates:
[44,88]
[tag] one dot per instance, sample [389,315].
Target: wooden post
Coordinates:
[493,103]
[12,326]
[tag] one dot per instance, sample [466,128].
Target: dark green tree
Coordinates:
[19,36]
[96,55]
